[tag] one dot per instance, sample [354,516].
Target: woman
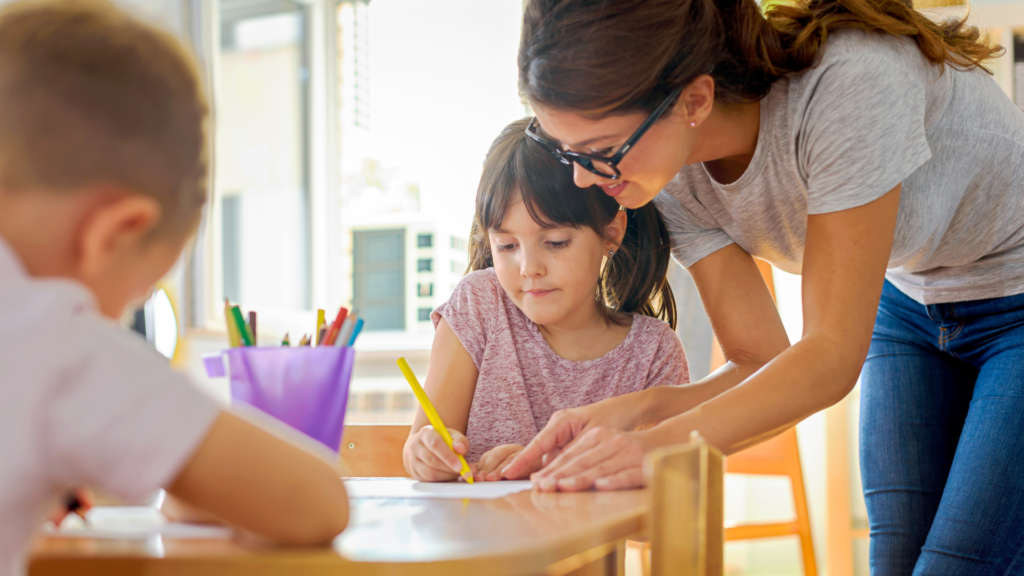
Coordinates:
[855,142]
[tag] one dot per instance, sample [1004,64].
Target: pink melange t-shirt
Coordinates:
[523,382]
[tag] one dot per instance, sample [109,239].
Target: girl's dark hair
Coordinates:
[634,280]
[614,56]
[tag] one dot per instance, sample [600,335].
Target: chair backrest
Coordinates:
[687,509]
[775,457]
[374,450]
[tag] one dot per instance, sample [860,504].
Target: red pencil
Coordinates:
[336,327]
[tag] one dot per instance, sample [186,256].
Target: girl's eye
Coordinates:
[506,247]
[559,244]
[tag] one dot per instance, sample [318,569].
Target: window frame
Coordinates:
[321,147]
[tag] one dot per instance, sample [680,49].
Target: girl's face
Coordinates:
[550,273]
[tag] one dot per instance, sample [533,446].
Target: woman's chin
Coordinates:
[634,197]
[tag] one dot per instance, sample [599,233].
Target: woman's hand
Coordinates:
[429,459]
[600,458]
[489,468]
[625,412]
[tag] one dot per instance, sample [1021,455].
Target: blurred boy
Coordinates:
[102,182]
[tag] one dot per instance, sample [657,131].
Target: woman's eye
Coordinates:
[606,152]
[559,244]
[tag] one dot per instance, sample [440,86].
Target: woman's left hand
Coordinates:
[601,458]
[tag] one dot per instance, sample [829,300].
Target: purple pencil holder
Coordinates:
[304,387]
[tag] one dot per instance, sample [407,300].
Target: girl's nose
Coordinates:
[584,178]
[531,264]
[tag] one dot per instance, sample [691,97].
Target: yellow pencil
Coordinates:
[234,336]
[435,420]
[321,321]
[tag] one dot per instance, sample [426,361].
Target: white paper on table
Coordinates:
[132,523]
[403,488]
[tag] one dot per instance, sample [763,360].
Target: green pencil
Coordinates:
[243,328]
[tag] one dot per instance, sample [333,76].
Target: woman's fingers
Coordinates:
[560,431]
[597,454]
[628,478]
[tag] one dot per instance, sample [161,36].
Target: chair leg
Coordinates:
[803,519]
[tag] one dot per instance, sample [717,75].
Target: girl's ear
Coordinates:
[615,231]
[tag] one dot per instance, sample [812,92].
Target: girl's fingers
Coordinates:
[508,460]
[440,449]
[628,478]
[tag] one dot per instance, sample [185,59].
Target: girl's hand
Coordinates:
[428,459]
[489,468]
[600,458]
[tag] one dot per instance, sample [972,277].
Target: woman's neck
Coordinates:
[586,336]
[729,139]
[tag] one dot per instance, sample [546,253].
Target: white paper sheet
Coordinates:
[132,523]
[403,488]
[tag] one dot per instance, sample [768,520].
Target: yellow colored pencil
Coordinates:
[321,321]
[234,336]
[432,415]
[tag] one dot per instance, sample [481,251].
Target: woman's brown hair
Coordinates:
[516,167]
[614,56]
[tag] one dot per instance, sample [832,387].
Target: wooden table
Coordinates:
[529,533]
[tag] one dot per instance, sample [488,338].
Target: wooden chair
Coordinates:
[779,456]
[687,509]
[374,450]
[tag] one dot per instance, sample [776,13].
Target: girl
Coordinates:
[860,144]
[567,304]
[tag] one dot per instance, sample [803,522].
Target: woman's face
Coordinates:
[655,159]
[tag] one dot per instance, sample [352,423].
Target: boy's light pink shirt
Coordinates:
[523,382]
[82,402]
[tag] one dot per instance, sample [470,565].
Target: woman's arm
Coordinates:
[844,266]
[748,327]
[450,384]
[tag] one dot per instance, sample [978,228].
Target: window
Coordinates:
[456,267]
[424,265]
[424,314]
[458,244]
[262,177]
[424,289]
[378,278]
[424,240]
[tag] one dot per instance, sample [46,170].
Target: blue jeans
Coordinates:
[942,437]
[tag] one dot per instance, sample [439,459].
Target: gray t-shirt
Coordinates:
[874,113]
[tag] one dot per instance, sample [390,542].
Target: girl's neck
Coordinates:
[587,335]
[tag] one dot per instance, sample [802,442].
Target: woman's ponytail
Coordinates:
[636,278]
[607,57]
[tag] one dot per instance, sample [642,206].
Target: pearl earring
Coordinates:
[693,124]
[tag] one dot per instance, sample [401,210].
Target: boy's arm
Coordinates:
[262,484]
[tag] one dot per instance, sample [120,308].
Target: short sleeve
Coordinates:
[669,366]
[693,237]
[119,418]
[862,130]
[472,311]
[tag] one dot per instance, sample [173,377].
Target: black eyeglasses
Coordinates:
[587,160]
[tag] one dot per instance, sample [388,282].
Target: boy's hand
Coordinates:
[428,459]
[85,502]
[489,468]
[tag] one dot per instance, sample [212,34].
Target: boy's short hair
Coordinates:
[90,96]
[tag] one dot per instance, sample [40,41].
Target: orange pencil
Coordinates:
[336,327]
